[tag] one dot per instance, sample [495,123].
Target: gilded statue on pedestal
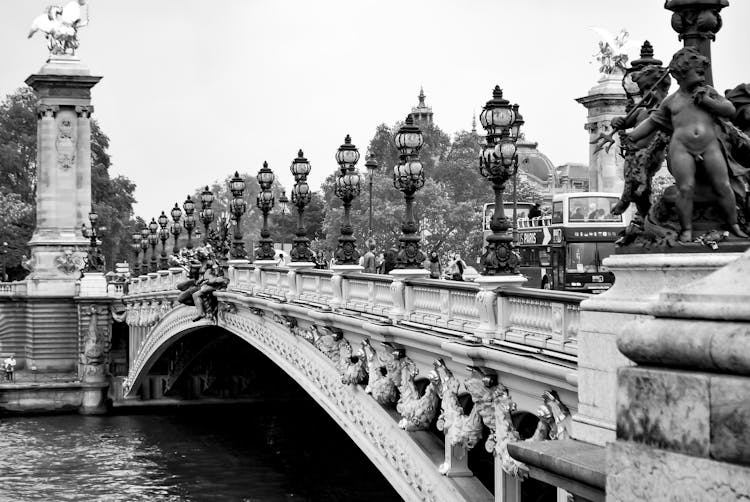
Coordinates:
[60,26]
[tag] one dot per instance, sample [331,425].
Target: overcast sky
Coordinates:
[194,90]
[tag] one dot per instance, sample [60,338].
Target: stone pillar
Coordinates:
[400,308]
[605,101]
[63,88]
[639,280]
[683,413]
[337,280]
[95,325]
[293,280]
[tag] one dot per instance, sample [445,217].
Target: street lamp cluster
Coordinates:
[498,162]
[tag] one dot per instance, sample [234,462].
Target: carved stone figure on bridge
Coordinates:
[460,429]
[382,384]
[60,26]
[554,419]
[495,406]
[417,411]
[95,346]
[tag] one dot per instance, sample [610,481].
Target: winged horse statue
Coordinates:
[60,26]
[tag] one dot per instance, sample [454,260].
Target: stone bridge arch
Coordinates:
[409,460]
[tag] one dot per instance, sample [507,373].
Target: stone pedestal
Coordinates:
[487,302]
[337,281]
[293,267]
[683,413]
[93,284]
[639,279]
[257,273]
[397,289]
[63,88]
[605,101]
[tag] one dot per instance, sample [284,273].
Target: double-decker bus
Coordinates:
[564,250]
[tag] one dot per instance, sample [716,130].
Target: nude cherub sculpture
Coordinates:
[691,114]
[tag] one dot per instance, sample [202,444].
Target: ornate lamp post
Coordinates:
[408,177]
[237,206]
[347,189]
[189,221]
[135,245]
[163,237]
[697,22]
[95,260]
[265,201]
[301,196]
[153,240]
[176,228]
[498,162]
[372,167]
[144,248]
[207,214]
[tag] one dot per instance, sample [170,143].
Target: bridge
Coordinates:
[387,358]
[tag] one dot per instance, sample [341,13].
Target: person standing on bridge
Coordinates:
[10,367]
[368,260]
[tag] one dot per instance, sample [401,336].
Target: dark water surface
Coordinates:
[266,452]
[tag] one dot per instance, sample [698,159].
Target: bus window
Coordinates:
[592,209]
[557,212]
[581,257]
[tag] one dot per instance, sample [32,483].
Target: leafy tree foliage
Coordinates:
[112,198]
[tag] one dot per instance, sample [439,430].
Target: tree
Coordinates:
[112,198]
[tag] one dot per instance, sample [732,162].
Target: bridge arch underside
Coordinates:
[408,460]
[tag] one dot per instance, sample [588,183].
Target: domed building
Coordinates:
[536,167]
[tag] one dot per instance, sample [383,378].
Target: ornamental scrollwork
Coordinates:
[554,419]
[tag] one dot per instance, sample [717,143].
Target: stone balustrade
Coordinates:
[13,288]
[536,319]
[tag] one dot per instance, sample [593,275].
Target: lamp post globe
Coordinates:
[163,221]
[265,202]
[408,177]
[498,162]
[144,248]
[347,188]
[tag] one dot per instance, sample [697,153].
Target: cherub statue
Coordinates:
[60,26]
[691,115]
[644,158]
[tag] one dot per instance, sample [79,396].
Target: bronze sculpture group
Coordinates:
[702,135]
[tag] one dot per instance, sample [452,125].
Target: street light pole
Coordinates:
[408,177]
[206,214]
[301,196]
[163,237]
[238,207]
[498,162]
[153,240]
[5,257]
[176,228]
[347,189]
[189,222]
[265,202]
[372,166]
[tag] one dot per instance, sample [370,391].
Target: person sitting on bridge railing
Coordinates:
[210,282]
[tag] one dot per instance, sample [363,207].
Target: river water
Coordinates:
[278,451]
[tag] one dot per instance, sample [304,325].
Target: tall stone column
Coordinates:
[605,101]
[63,88]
